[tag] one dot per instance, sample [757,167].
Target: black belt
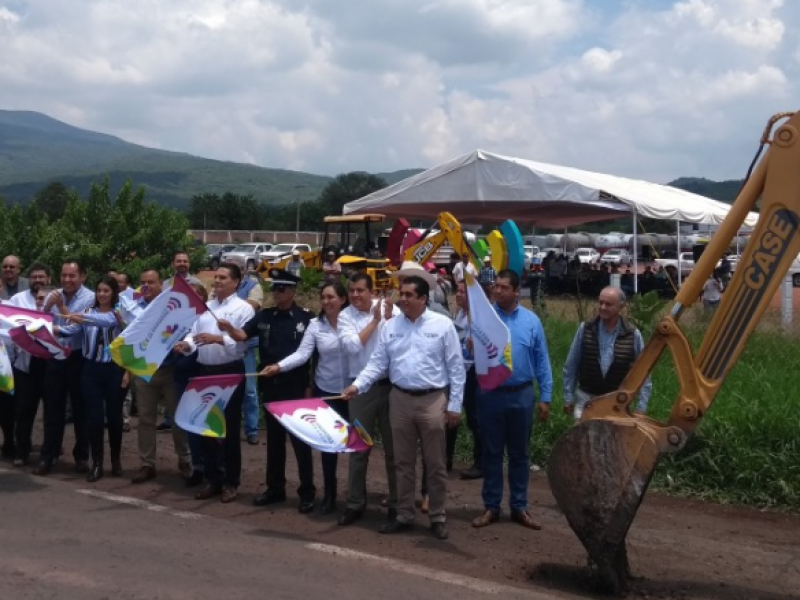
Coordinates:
[225,368]
[507,389]
[418,392]
[384,381]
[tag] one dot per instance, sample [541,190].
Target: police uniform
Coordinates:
[279,334]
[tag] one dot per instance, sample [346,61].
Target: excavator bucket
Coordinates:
[599,471]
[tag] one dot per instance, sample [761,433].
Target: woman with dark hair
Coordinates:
[219,354]
[330,374]
[101,378]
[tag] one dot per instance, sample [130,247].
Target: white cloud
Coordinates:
[649,90]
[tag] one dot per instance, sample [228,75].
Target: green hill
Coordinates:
[36,150]
[725,191]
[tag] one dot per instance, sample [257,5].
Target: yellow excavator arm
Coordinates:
[449,230]
[599,470]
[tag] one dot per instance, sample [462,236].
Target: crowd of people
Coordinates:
[403,369]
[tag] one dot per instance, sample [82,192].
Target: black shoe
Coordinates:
[195,479]
[164,426]
[328,504]
[391,515]
[449,465]
[474,472]
[440,531]
[43,468]
[350,516]
[81,466]
[95,474]
[116,468]
[396,527]
[270,497]
[306,506]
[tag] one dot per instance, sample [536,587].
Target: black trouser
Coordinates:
[101,383]
[331,459]
[7,410]
[28,392]
[276,445]
[222,459]
[63,378]
[471,411]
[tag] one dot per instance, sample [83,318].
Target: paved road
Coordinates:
[58,540]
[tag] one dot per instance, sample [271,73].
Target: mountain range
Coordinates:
[36,149]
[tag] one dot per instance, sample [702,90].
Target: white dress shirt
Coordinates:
[332,373]
[458,271]
[419,355]
[351,323]
[232,309]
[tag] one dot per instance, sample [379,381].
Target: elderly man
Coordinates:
[505,414]
[422,354]
[12,283]
[602,352]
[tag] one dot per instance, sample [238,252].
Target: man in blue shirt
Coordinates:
[63,377]
[506,413]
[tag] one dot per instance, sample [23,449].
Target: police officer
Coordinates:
[280,329]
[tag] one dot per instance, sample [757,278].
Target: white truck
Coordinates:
[686,262]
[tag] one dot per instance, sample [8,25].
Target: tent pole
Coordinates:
[678,231]
[635,257]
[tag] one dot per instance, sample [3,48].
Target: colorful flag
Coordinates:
[201,409]
[38,341]
[318,425]
[491,340]
[6,374]
[14,316]
[145,343]
[139,292]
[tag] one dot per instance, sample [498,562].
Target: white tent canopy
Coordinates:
[482,186]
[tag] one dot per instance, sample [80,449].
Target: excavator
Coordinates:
[600,468]
[446,229]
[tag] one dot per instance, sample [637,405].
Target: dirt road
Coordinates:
[681,549]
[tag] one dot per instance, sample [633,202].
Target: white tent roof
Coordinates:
[482,186]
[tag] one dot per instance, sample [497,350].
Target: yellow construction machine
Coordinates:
[446,229]
[599,469]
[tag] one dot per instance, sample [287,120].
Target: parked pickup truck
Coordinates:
[686,258]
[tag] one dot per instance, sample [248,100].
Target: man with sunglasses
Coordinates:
[280,330]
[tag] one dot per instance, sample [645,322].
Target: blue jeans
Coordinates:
[250,406]
[505,421]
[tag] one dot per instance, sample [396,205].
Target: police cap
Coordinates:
[283,277]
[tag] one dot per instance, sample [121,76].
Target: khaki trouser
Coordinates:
[148,396]
[415,419]
[371,409]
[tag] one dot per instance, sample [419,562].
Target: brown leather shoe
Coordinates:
[425,505]
[485,519]
[185,469]
[208,491]
[524,518]
[144,474]
[228,494]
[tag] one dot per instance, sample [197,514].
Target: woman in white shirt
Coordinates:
[219,354]
[330,375]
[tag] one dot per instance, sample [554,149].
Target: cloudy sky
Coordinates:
[643,88]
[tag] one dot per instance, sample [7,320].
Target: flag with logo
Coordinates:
[6,374]
[491,340]
[31,331]
[314,422]
[145,343]
[201,409]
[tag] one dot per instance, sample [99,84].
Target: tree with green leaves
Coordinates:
[123,234]
[348,187]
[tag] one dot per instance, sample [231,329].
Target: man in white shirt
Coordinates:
[29,372]
[359,328]
[464,265]
[422,354]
